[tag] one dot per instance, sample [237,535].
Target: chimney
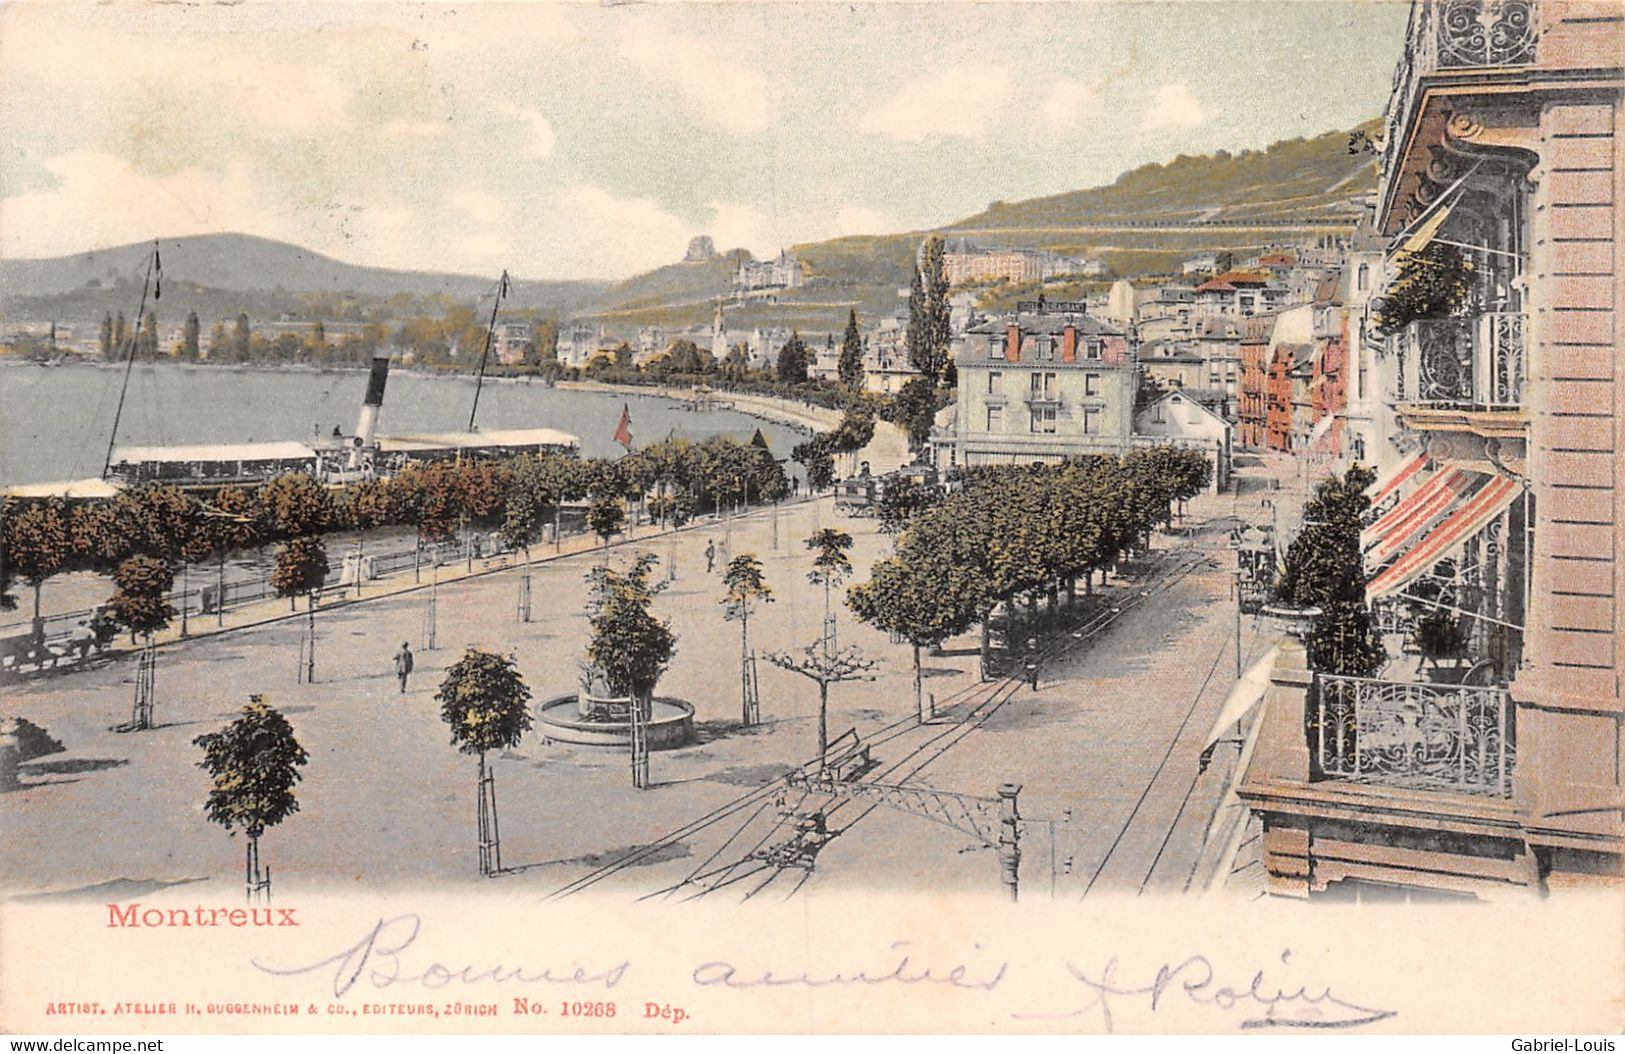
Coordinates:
[1012,342]
[367,423]
[1069,343]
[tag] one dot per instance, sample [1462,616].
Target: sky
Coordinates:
[565,140]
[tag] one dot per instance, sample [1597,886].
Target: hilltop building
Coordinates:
[782,272]
[700,249]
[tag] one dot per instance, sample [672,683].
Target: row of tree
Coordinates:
[1014,532]
[454,338]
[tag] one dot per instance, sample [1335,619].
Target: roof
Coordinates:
[1087,325]
[65,488]
[478,440]
[1168,351]
[1180,395]
[1222,328]
[282,450]
[1231,280]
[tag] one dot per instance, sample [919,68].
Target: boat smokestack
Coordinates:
[367,423]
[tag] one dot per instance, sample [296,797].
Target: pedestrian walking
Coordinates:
[710,556]
[1030,663]
[403,664]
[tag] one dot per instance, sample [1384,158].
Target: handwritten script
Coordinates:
[379,958]
[1196,982]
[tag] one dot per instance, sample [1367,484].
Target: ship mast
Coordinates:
[490,331]
[153,263]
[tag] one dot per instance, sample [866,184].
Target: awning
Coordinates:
[75,489]
[1468,516]
[1387,485]
[1407,520]
[1247,693]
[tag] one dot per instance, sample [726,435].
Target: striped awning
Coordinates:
[1387,485]
[1408,520]
[1468,514]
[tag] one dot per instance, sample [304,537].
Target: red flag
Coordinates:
[623,431]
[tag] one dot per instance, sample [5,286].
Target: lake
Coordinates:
[55,420]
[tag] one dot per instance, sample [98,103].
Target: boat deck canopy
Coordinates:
[513,437]
[79,489]
[283,450]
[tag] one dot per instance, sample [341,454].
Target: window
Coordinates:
[995,419]
[995,347]
[1091,384]
[1042,385]
[1046,347]
[1362,280]
[995,382]
[1093,349]
[1091,420]
[1157,414]
[1043,420]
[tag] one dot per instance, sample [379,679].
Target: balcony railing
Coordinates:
[1453,35]
[1421,736]
[1459,363]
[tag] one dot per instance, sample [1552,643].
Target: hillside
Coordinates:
[1145,222]
[261,268]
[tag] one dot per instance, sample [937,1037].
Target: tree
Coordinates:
[35,543]
[930,330]
[823,666]
[745,588]
[924,601]
[915,408]
[253,764]
[301,568]
[606,517]
[140,604]
[1343,641]
[487,704]
[849,367]
[121,337]
[629,645]
[902,499]
[148,338]
[219,345]
[234,520]
[105,338]
[139,601]
[241,340]
[791,367]
[817,457]
[1325,562]
[297,505]
[189,338]
[830,568]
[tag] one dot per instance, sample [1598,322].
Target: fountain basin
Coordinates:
[559,720]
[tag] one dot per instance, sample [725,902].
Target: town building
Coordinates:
[1179,419]
[1172,364]
[511,341]
[1496,433]
[1254,349]
[1046,383]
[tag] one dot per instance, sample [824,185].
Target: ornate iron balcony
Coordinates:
[1452,35]
[1462,363]
[1421,736]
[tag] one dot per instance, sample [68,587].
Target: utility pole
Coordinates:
[1238,623]
[1010,838]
